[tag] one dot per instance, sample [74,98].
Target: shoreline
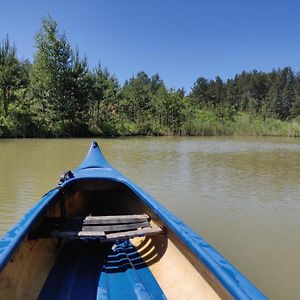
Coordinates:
[203,124]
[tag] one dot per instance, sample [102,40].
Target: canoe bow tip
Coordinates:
[95,145]
[94,158]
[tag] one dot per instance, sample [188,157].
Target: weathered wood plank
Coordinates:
[109,228]
[91,234]
[76,234]
[103,227]
[118,219]
[132,234]
[106,237]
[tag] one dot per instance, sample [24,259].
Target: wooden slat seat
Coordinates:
[115,227]
[104,228]
[122,219]
[133,233]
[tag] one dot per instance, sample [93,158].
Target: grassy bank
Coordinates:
[196,123]
[206,123]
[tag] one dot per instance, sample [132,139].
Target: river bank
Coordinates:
[242,125]
[201,123]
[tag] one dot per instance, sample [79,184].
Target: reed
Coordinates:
[206,123]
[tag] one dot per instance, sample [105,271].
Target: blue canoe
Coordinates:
[97,235]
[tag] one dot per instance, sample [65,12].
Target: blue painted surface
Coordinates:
[96,167]
[126,276]
[91,270]
[75,272]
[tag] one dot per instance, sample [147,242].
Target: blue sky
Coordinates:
[181,40]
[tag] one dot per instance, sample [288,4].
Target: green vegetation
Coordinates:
[58,95]
[207,123]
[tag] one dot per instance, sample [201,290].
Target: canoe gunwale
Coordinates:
[14,237]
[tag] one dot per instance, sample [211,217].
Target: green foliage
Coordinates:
[205,123]
[74,110]
[10,74]
[60,83]
[225,112]
[138,94]
[104,90]
[256,126]
[58,95]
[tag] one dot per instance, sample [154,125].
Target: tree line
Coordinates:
[59,95]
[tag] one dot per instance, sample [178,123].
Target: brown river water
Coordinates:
[241,194]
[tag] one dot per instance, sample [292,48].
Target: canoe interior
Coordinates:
[154,267]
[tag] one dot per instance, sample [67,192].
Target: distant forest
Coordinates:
[59,95]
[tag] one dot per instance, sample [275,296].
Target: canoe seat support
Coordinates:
[104,228]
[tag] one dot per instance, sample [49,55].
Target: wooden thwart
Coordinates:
[76,234]
[122,219]
[105,228]
[132,234]
[115,227]
[106,237]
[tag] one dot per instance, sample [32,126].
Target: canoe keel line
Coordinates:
[100,236]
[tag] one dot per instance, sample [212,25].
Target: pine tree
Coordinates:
[49,77]
[199,94]
[10,74]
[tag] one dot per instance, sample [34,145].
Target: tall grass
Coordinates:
[206,123]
